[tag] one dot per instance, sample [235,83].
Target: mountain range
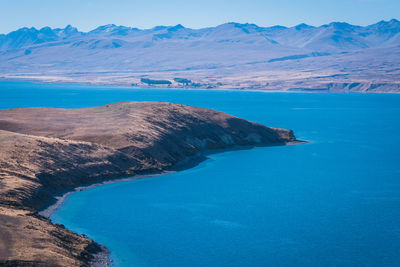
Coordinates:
[336,57]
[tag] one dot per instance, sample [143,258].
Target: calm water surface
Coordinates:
[332,202]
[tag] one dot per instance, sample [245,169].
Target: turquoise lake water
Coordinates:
[332,202]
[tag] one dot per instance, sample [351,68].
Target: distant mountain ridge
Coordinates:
[333,57]
[336,35]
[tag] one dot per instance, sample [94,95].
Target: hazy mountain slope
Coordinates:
[230,55]
[339,35]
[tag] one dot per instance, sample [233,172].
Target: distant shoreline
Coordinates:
[127,86]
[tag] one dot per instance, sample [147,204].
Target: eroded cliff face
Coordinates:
[45,151]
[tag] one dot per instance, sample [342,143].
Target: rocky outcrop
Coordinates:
[44,152]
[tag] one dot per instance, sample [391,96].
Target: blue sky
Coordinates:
[89,14]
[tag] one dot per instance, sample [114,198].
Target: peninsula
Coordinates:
[45,152]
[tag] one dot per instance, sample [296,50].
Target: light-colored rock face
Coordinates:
[44,151]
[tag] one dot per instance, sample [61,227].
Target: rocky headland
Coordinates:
[45,152]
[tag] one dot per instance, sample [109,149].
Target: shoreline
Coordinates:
[102,258]
[127,86]
[60,199]
[190,162]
